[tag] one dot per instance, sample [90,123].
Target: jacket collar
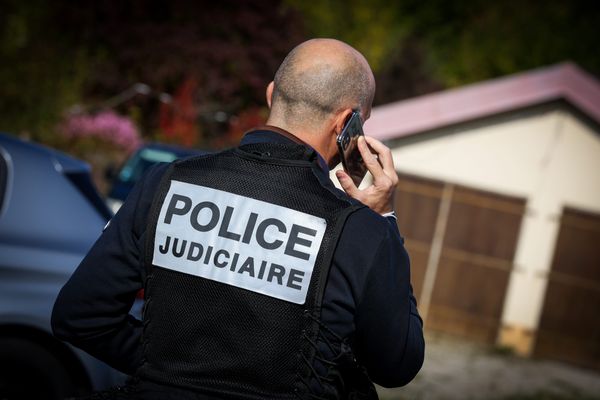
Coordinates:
[273,134]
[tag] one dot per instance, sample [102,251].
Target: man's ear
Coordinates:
[270,87]
[340,120]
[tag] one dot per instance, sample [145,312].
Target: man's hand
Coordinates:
[380,195]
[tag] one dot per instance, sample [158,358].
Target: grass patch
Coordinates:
[505,351]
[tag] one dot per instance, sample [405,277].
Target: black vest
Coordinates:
[238,252]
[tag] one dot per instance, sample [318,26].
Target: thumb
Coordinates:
[346,182]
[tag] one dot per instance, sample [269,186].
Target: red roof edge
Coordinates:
[561,81]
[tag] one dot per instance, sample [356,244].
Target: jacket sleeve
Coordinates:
[92,309]
[389,331]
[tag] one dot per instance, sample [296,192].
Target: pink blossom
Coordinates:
[105,125]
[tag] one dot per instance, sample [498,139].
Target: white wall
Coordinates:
[550,159]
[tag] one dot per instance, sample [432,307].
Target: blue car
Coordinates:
[135,167]
[50,215]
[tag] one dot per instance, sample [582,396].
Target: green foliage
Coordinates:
[476,40]
[39,80]
[500,350]
[375,28]
[58,54]
[457,42]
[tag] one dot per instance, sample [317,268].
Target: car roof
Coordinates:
[48,199]
[30,150]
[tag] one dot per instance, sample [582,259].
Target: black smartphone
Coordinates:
[347,143]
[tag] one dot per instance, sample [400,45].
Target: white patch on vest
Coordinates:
[238,241]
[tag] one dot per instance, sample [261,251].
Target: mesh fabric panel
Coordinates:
[223,339]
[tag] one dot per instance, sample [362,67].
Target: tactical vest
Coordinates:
[238,252]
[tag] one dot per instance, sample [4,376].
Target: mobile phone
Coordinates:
[347,143]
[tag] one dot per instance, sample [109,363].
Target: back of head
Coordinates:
[319,78]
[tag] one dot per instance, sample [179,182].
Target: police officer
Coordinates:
[262,280]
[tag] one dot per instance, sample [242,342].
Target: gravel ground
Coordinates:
[458,370]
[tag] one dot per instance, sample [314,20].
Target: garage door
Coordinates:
[417,206]
[569,328]
[462,243]
[475,264]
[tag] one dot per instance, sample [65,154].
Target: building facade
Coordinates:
[499,202]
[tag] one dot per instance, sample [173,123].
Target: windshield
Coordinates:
[133,170]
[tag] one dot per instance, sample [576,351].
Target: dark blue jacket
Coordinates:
[368,298]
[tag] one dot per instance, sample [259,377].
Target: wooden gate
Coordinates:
[461,242]
[569,328]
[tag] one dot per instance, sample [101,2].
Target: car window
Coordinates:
[134,169]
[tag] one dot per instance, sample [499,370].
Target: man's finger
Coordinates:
[369,159]
[346,183]
[384,153]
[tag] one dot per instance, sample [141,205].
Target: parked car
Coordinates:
[135,167]
[50,215]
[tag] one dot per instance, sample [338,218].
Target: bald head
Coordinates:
[319,78]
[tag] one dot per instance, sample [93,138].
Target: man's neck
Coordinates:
[284,132]
[312,139]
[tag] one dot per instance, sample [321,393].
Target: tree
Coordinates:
[41,73]
[228,49]
[472,41]
[418,46]
[56,55]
